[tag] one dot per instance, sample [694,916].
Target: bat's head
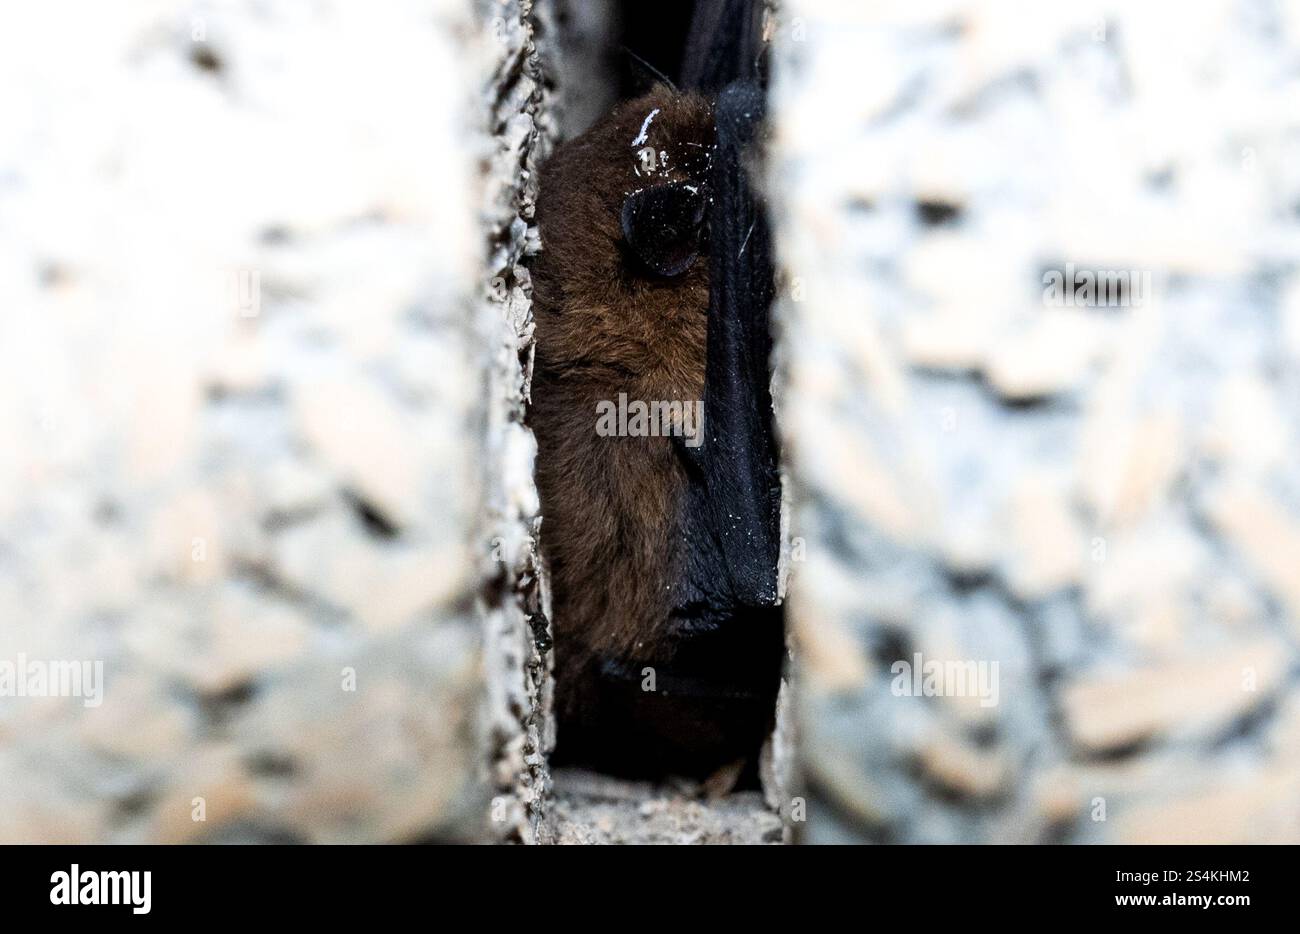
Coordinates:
[624,215]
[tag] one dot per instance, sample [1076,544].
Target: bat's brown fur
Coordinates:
[611,505]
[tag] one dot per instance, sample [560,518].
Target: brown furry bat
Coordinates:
[604,328]
[653,283]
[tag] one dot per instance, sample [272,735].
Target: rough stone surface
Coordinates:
[1104,500]
[514,606]
[244,419]
[596,809]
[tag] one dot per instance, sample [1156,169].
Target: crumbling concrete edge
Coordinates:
[514,604]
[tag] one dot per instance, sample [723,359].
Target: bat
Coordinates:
[657,463]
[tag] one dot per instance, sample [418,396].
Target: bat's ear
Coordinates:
[663,225]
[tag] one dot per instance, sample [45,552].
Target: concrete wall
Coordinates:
[244,418]
[514,606]
[1105,501]
[265,360]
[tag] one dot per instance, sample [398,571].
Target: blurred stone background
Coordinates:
[243,411]
[1103,500]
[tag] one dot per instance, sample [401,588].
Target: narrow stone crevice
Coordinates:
[588,53]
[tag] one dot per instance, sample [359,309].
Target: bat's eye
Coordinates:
[663,224]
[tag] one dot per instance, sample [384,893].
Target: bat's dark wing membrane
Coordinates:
[732,630]
[735,491]
[732,636]
[724,44]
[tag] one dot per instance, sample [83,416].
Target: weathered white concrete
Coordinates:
[244,417]
[1103,500]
